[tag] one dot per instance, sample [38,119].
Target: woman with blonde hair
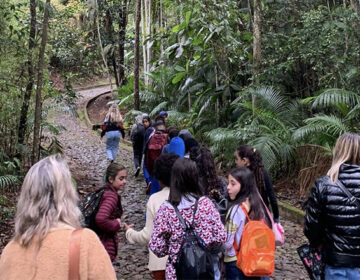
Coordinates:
[332,220]
[113,126]
[49,242]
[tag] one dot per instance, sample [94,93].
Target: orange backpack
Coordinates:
[256,256]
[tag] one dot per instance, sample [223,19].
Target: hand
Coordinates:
[119,221]
[126,226]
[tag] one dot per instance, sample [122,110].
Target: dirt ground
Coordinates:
[87,161]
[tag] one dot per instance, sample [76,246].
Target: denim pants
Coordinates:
[137,150]
[233,273]
[112,144]
[341,273]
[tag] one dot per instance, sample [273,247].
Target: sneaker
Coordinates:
[137,172]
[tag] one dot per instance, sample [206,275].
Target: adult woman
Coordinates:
[332,220]
[112,127]
[168,233]
[47,215]
[247,156]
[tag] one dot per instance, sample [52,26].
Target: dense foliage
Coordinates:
[197,62]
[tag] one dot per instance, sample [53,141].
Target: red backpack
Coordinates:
[154,148]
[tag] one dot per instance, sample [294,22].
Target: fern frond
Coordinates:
[7,181]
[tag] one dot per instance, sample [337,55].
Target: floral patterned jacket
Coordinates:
[168,233]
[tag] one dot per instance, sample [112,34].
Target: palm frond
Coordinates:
[158,108]
[325,124]
[334,97]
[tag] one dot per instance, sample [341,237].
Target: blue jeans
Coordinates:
[112,144]
[233,273]
[341,273]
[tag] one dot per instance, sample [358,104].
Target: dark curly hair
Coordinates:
[256,164]
[206,167]
[162,167]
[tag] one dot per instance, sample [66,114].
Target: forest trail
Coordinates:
[87,160]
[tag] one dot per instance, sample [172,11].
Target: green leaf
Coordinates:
[179,68]
[178,77]
[187,18]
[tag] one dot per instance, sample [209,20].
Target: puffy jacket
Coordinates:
[333,221]
[110,209]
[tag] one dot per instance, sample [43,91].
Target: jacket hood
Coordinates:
[177,146]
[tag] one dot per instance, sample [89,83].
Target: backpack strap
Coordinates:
[182,221]
[245,212]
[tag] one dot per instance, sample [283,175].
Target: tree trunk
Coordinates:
[110,30]
[122,32]
[29,86]
[256,47]
[136,54]
[38,102]
[101,46]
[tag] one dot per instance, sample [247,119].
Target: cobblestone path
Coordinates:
[87,161]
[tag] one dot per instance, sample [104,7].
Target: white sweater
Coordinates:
[142,237]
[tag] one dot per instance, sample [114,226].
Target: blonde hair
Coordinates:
[113,115]
[47,198]
[346,150]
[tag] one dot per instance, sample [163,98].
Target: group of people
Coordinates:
[187,191]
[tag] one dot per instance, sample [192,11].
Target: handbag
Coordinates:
[74,255]
[312,260]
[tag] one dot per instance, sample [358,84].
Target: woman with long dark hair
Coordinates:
[247,156]
[168,233]
[242,191]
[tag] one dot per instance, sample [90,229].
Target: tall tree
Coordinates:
[256,44]
[122,32]
[136,54]
[39,85]
[30,68]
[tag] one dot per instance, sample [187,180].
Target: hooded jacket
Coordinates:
[333,221]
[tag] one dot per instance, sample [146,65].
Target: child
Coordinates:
[247,156]
[162,172]
[167,235]
[110,210]
[242,191]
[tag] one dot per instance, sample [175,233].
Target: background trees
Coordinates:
[277,74]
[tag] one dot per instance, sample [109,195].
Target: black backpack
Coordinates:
[89,207]
[194,261]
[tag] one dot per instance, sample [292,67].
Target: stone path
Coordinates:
[87,161]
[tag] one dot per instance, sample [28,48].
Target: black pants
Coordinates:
[137,149]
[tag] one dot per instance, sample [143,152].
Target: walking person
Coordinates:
[112,127]
[247,156]
[137,138]
[242,194]
[107,219]
[332,220]
[149,131]
[185,194]
[162,172]
[47,225]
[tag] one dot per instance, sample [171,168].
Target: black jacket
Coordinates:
[333,221]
